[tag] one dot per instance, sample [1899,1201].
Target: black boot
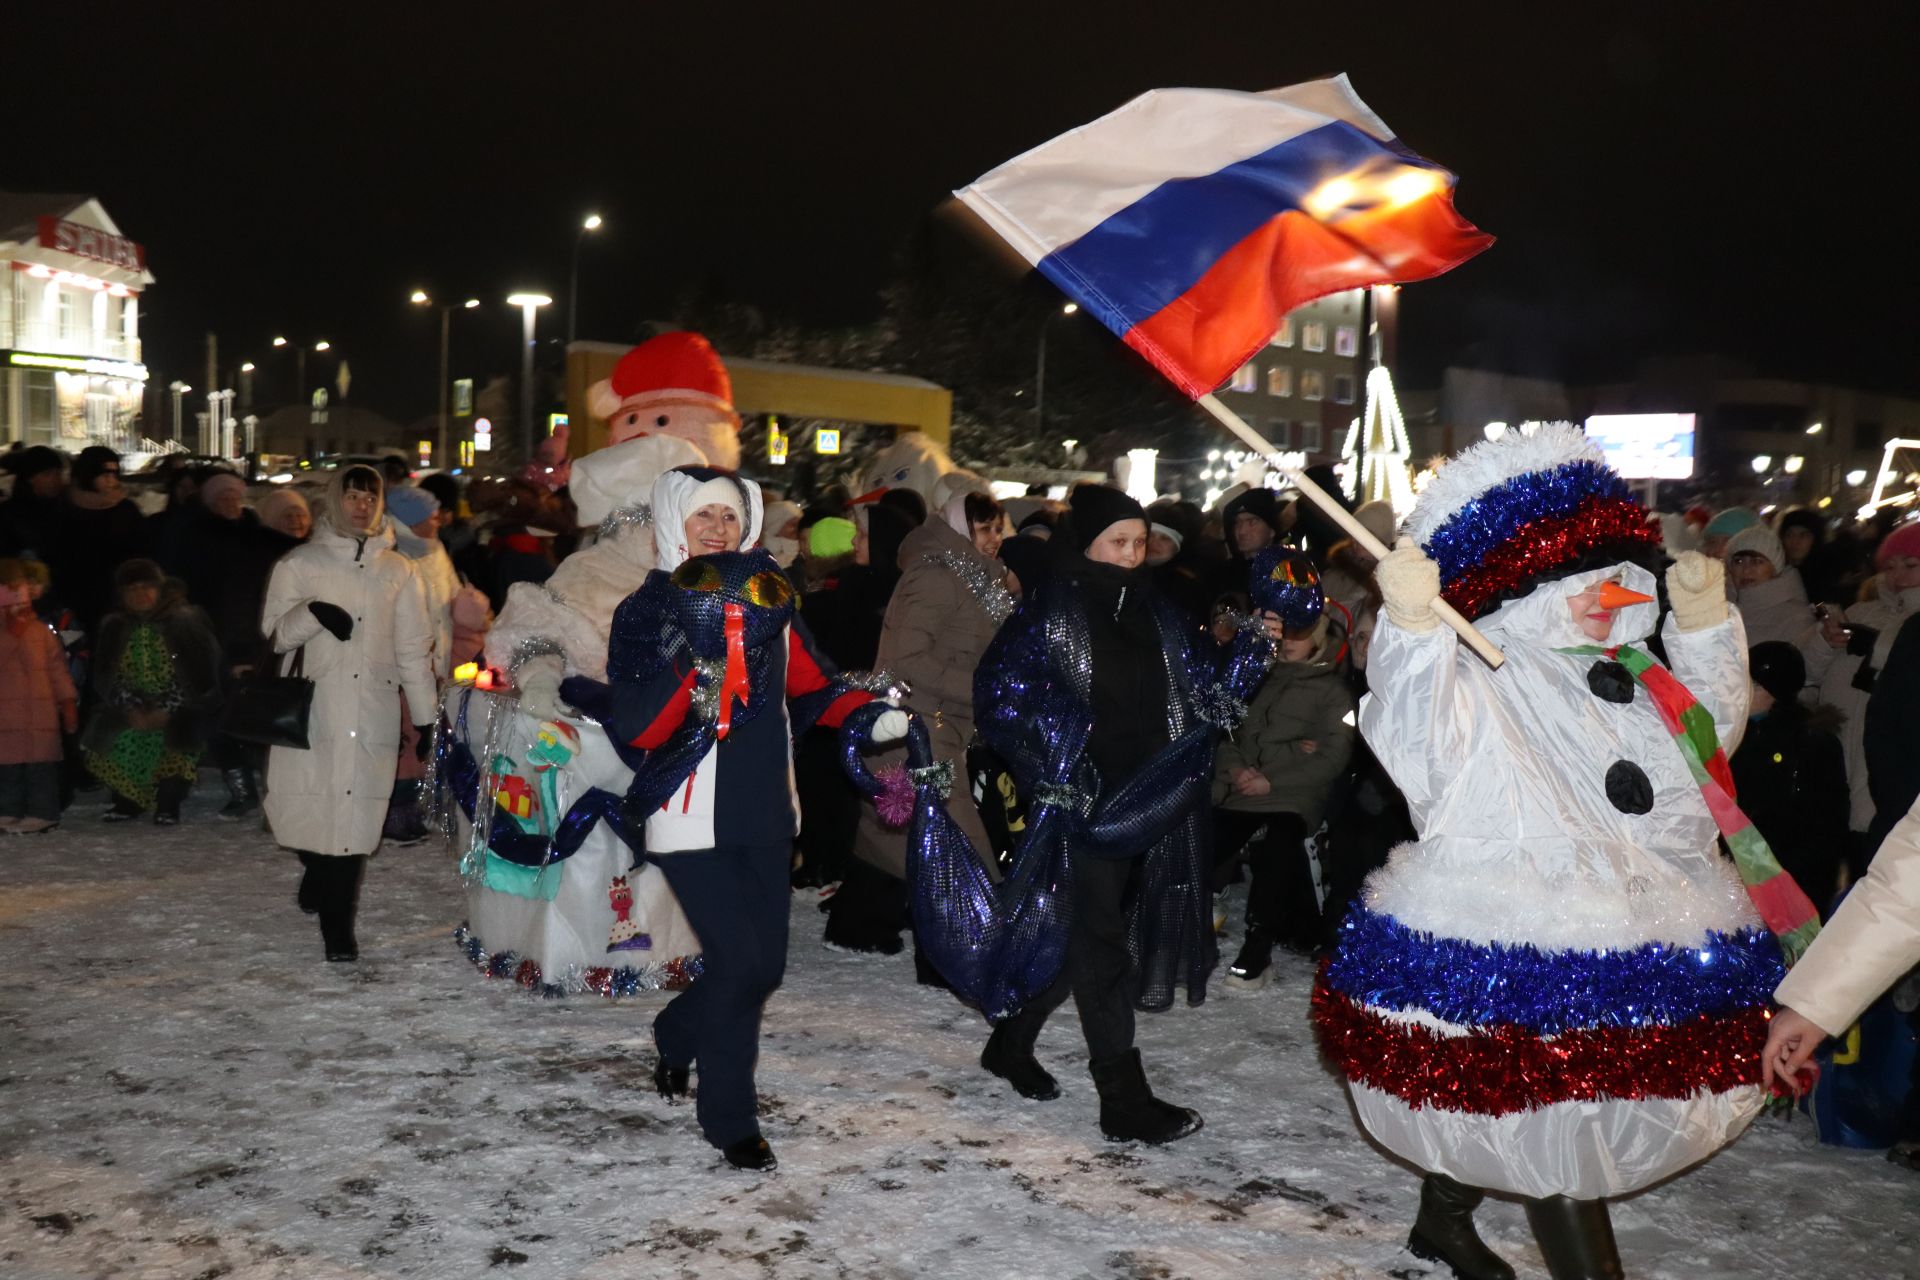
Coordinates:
[1444,1231]
[338,902]
[167,795]
[1252,969]
[404,825]
[312,881]
[672,1082]
[1009,1055]
[123,810]
[752,1154]
[1128,1110]
[243,793]
[1576,1238]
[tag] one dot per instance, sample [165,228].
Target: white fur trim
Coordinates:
[1482,466]
[602,401]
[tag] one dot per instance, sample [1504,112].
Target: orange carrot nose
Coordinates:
[1615,596]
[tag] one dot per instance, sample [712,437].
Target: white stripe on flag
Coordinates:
[1052,195]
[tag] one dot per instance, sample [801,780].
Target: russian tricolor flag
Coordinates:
[1191,220]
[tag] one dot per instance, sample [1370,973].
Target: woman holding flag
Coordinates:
[1561,991]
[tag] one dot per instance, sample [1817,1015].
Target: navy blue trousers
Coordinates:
[737,899]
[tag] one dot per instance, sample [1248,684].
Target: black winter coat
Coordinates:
[1791,775]
[1892,737]
[196,676]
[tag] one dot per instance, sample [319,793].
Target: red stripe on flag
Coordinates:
[1201,337]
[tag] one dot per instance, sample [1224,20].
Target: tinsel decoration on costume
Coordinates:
[1283,582]
[893,803]
[534,647]
[1504,1069]
[987,587]
[1384,965]
[1000,945]
[1597,524]
[609,981]
[619,520]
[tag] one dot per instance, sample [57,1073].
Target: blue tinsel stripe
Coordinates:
[1499,513]
[1382,963]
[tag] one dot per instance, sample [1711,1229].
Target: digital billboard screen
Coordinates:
[1645,446]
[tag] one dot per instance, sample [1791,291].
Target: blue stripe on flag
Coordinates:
[1149,253]
[1380,962]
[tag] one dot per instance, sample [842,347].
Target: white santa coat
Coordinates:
[332,798]
[572,611]
[1504,772]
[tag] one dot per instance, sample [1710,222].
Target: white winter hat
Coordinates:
[1761,541]
[684,490]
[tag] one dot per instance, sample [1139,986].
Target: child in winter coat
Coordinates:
[1791,774]
[1275,771]
[37,702]
[156,677]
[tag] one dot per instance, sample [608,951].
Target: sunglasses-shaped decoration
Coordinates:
[765,590]
[1293,571]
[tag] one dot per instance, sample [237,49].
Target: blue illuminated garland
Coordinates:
[1499,514]
[1382,963]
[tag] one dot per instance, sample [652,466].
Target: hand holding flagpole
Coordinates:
[1334,511]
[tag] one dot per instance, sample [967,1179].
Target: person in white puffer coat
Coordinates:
[356,609]
[555,629]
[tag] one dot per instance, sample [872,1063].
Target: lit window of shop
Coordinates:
[1343,388]
[1284,337]
[1245,378]
[66,314]
[1346,340]
[1313,384]
[1313,336]
[1280,380]
[1309,441]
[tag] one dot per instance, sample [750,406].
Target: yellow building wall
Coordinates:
[789,390]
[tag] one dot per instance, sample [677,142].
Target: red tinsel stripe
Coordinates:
[1547,544]
[1506,1069]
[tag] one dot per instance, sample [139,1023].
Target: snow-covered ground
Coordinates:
[188,1090]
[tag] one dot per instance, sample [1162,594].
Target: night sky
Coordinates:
[1663,179]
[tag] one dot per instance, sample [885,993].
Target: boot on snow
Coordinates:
[1009,1055]
[243,794]
[1444,1231]
[167,795]
[1252,969]
[1575,1238]
[1128,1110]
[404,825]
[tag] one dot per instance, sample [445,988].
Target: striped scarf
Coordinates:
[1781,904]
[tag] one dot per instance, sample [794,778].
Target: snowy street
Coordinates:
[190,1091]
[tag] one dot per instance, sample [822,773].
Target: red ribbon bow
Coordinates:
[734,682]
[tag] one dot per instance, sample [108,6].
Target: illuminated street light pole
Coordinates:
[1040,371]
[528,304]
[419,298]
[179,389]
[592,223]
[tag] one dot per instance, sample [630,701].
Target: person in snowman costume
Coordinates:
[1560,992]
[667,404]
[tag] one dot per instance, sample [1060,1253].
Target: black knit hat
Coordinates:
[1095,507]
[135,573]
[1778,668]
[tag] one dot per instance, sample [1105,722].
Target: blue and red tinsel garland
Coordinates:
[609,981]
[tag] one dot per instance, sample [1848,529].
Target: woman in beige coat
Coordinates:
[357,609]
[950,600]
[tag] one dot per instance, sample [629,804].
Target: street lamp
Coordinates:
[299,366]
[179,389]
[528,304]
[1793,464]
[420,298]
[592,222]
[1856,478]
[1761,461]
[1040,370]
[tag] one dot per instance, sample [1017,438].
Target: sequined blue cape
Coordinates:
[1002,945]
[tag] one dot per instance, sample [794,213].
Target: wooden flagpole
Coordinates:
[1344,518]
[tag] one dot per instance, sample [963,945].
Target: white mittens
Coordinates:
[1696,588]
[1409,584]
[539,679]
[888,726]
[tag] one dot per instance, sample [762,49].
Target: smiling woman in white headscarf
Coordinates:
[711,676]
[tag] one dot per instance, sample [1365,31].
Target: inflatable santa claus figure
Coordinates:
[673,385]
[1560,991]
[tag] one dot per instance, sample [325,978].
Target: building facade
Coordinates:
[71,372]
[1303,390]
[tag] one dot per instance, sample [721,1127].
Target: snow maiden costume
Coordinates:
[1561,991]
[712,676]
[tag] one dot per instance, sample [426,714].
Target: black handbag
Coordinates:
[273,710]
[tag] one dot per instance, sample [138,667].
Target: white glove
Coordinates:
[888,726]
[538,679]
[1409,584]
[1697,590]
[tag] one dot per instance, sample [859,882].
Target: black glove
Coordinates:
[1860,640]
[332,617]
[423,740]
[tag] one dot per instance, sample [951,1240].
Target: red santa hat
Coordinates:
[673,368]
